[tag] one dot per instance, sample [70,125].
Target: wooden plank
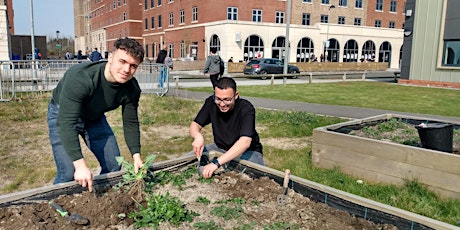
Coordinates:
[392,151]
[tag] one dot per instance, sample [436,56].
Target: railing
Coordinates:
[25,78]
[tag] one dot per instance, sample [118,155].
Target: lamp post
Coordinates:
[58,44]
[286,40]
[326,43]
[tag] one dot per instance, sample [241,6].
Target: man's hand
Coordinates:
[198,145]
[208,170]
[83,175]
[137,162]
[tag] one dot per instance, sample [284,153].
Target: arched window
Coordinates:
[278,48]
[332,53]
[215,43]
[305,50]
[385,53]
[368,52]
[350,51]
[253,47]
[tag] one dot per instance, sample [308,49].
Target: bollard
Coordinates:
[310,78]
[344,76]
[364,74]
[284,80]
[272,80]
[176,78]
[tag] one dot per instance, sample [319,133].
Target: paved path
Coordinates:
[319,109]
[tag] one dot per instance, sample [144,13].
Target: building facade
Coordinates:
[431,54]
[355,30]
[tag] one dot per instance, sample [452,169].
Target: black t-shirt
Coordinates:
[228,127]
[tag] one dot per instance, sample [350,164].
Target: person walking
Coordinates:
[213,66]
[233,125]
[95,55]
[162,57]
[77,108]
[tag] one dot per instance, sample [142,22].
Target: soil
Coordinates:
[261,208]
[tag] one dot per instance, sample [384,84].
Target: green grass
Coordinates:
[376,95]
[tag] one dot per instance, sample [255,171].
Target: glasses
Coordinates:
[226,101]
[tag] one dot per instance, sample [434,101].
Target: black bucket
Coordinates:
[436,136]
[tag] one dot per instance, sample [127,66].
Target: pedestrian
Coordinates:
[233,124]
[213,66]
[77,108]
[162,55]
[95,56]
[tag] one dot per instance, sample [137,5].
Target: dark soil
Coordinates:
[261,208]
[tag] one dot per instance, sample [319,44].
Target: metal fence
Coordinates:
[25,78]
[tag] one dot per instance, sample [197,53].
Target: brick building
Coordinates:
[357,30]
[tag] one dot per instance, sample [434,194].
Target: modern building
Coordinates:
[431,54]
[358,30]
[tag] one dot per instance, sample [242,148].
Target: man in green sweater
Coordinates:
[77,108]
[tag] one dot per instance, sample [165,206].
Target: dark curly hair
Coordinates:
[131,46]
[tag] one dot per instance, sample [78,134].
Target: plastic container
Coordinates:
[436,136]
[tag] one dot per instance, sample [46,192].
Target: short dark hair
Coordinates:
[213,50]
[133,47]
[225,83]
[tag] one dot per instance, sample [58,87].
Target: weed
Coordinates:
[226,212]
[280,225]
[203,200]
[207,226]
[161,208]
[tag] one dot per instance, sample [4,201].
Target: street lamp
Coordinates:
[326,43]
[286,40]
[58,44]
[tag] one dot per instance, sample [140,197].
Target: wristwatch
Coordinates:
[216,162]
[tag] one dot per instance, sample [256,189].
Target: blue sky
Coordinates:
[49,16]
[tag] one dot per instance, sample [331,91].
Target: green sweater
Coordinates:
[85,93]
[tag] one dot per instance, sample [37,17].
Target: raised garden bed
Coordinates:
[242,195]
[384,161]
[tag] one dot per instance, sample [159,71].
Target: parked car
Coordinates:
[264,66]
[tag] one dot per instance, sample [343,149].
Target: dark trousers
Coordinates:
[214,78]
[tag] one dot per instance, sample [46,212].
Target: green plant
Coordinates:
[207,226]
[280,225]
[227,212]
[161,208]
[203,200]
[131,179]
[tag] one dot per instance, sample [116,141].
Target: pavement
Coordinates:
[319,109]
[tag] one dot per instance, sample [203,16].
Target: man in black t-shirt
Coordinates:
[233,124]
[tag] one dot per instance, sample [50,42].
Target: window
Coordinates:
[114,4]
[378,23]
[171,50]
[182,49]
[342,2]
[279,17]
[119,3]
[159,22]
[124,2]
[393,6]
[379,5]
[391,24]
[124,16]
[306,19]
[309,1]
[232,13]
[182,16]
[146,24]
[171,18]
[359,4]
[305,50]
[357,22]
[256,15]
[152,3]
[341,20]
[159,3]
[451,55]
[194,14]
[324,18]
[153,22]
[325,2]
[145,4]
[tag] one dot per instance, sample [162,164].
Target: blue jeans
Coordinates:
[163,75]
[252,156]
[97,135]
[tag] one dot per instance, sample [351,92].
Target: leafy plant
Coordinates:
[161,208]
[227,212]
[207,226]
[131,179]
[203,200]
[280,225]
